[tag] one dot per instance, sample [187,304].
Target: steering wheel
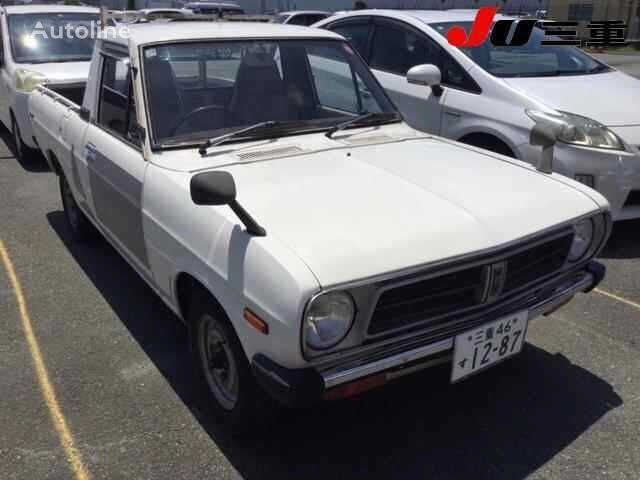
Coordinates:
[193,113]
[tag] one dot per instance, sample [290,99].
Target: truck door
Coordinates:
[115,163]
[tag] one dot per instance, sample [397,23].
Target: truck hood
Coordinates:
[354,213]
[58,73]
[611,98]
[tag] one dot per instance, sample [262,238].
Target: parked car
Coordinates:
[303,18]
[315,245]
[34,50]
[491,96]
[214,8]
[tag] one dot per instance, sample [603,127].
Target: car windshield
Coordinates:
[52,37]
[202,90]
[530,60]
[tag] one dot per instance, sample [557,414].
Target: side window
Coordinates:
[453,75]
[116,110]
[396,49]
[357,34]
[335,83]
[302,20]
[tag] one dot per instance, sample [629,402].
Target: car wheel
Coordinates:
[81,228]
[238,401]
[21,151]
[489,143]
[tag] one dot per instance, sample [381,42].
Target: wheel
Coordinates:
[238,401]
[81,228]
[489,143]
[22,152]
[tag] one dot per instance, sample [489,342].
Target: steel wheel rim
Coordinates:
[70,207]
[221,370]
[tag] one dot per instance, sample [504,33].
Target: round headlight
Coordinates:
[328,319]
[582,239]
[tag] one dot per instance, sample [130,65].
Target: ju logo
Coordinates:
[502,33]
[481,28]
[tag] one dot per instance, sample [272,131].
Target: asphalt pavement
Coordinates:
[567,408]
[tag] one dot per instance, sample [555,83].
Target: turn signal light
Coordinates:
[356,388]
[256,322]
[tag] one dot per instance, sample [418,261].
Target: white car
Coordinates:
[304,18]
[491,96]
[214,8]
[36,49]
[314,250]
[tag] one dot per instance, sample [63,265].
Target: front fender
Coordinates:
[239,270]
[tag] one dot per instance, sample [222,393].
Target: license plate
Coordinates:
[489,344]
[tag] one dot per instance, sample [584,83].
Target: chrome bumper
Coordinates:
[408,361]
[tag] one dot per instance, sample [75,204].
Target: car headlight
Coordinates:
[328,319]
[27,80]
[582,239]
[578,130]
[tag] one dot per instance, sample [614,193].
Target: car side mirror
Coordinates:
[427,75]
[219,188]
[545,135]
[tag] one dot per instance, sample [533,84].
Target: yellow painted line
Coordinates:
[619,299]
[64,434]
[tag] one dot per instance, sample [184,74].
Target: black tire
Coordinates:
[79,225]
[489,143]
[20,150]
[238,401]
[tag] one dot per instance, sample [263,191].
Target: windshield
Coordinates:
[197,91]
[530,60]
[52,37]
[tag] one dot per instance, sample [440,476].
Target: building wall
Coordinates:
[625,10]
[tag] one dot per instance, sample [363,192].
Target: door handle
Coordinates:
[90,152]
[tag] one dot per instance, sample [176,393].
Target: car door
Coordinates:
[115,163]
[395,48]
[5,76]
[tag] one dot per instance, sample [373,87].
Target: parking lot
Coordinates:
[112,394]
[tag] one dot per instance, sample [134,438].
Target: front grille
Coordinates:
[633,200]
[438,298]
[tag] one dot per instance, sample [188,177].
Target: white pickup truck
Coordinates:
[49,44]
[258,178]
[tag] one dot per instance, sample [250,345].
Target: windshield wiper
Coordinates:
[359,119]
[212,142]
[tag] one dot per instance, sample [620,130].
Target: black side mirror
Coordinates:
[219,188]
[213,188]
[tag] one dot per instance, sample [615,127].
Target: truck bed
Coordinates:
[73,92]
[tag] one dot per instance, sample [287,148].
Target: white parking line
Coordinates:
[619,299]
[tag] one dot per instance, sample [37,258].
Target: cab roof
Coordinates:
[167,32]
[25,9]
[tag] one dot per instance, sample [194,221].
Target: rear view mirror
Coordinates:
[427,75]
[213,188]
[219,188]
